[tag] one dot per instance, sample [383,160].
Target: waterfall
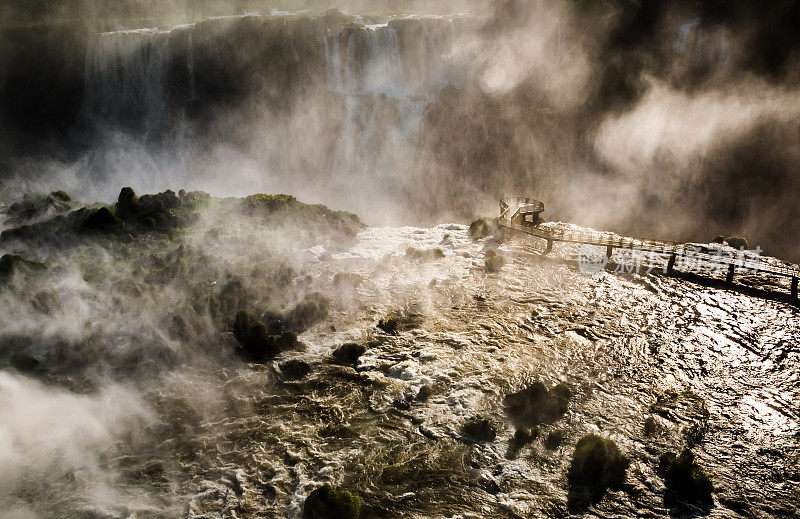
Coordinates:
[125,78]
[371,62]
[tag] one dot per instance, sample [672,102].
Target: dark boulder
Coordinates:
[104,220]
[295,369]
[348,353]
[479,229]
[479,429]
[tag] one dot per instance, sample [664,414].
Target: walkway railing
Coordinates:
[670,252]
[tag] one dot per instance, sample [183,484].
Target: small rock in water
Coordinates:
[348,353]
[295,369]
[328,502]
[480,429]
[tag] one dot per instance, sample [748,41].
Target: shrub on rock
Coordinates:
[536,405]
[597,464]
[251,333]
[685,478]
[328,502]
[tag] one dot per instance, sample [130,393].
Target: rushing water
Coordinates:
[712,367]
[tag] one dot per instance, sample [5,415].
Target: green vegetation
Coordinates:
[257,343]
[685,479]
[536,405]
[597,464]
[329,502]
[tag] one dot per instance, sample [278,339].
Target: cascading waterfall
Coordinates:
[366,66]
[126,78]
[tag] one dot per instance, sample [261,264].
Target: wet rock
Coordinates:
[424,254]
[11,264]
[554,439]
[685,479]
[312,309]
[347,280]
[480,429]
[479,229]
[424,393]
[348,353]
[650,426]
[737,242]
[718,239]
[536,405]
[493,262]
[23,362]
[597,464]
[398,321]
[295,369]
[328,502]
[104,220]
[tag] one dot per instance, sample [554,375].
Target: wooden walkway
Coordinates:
[669,253]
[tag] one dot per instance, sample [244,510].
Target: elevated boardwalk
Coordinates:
[517,215]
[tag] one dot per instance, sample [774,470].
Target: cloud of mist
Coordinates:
[49,436]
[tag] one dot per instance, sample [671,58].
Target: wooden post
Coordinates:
[731,268]
[671,264]
[548,248]
[794,287]
[609,251]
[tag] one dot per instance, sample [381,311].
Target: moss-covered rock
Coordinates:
[685,479]
[348,353]
[257,344]
[597,464]
[347,280]
[312,309]
[103,220]
[536,405]
[329,502]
